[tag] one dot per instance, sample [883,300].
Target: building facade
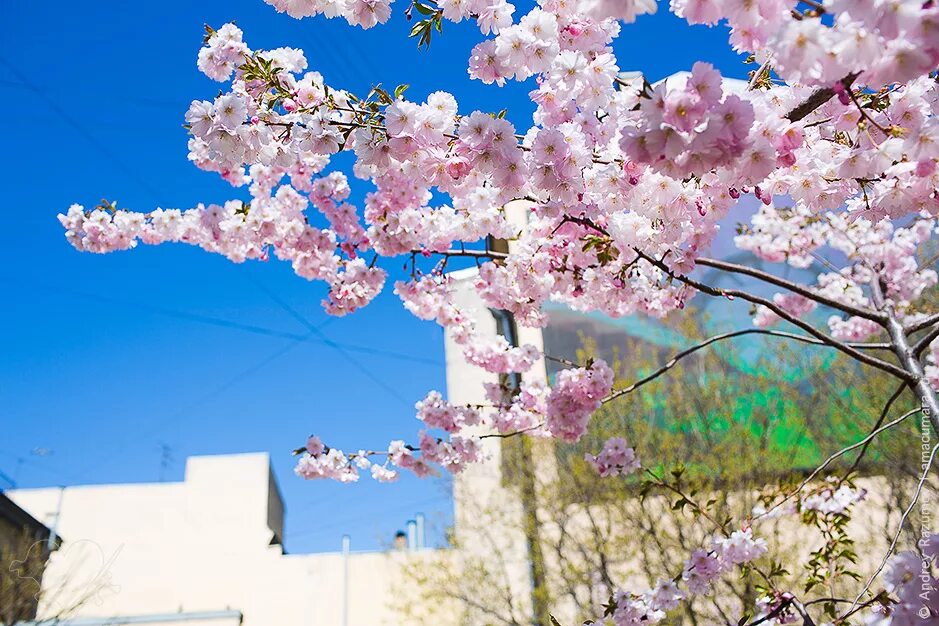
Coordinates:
[204,551]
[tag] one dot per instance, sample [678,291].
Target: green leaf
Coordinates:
[424,9]
[680,504]
[418,27]
[399,90]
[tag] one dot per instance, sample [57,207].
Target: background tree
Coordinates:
[31,591]
[733,434]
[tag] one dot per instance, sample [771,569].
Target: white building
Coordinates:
[204,551]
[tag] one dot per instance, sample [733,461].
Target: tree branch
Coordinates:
[737,333]
[843,451]
[924,342]
[905,354]
[880,420]
[866,313]
[817,99]
[896,537]
[924,323]
[772,306]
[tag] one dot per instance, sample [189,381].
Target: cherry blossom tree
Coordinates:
[626,186]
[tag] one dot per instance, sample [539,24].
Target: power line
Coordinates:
[223,323]
[332,344]
[21,460]
[80,129]
[182,412]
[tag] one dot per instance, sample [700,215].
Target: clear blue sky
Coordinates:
[105,358]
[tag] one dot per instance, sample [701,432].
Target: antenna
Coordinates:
[166,457]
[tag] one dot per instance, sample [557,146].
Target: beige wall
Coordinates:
[487,513]
[203,545]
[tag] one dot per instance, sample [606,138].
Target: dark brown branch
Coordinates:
[900,373]
[869,314]
[775,612]
[817,99]
[880,420]
[924,342]
[924,323]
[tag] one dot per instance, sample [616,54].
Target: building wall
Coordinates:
[204,544]
[488,513]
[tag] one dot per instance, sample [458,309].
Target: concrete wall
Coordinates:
[204,544]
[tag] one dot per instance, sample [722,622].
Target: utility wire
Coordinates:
[223,323]
[126,446]
[80,129]
[332,344]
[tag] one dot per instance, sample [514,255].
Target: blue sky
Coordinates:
[108,358]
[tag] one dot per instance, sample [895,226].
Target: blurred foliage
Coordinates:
[736,430]
[23,558]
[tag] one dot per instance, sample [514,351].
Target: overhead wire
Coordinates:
[79,128]
[332,344]
[222,323]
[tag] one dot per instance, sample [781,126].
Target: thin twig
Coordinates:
[924,342]
[843,451]
[755,79]
[896,537]
[880,420]
[923,323]
[512,434]
[875,316]
[747,331]
[779,609]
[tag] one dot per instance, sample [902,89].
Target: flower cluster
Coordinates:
[909,578]
[705,566]
[435,412]
[616,458]
[832,498]
[364,13]
[883,41]
[695,128]
[576,394]
[701,569]
[318,461]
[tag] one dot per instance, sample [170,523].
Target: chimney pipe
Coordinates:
[419,518]
[412,535]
